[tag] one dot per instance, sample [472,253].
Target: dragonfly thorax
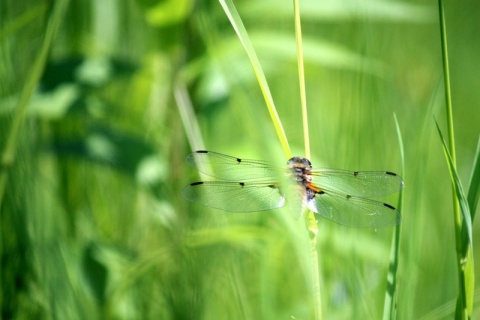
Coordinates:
[301,168]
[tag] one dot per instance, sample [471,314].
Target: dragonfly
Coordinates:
[245,185]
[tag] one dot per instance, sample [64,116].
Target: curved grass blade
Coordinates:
[466,263]
[242,34]
[311,225]
[461,209]
[390,305]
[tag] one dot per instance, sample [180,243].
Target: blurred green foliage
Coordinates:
[92,225]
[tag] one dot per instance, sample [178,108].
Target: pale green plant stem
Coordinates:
[312,226]
[301,76]
[9,150]
[187,114]
[390,304]
[462,309]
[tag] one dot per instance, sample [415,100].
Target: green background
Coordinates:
[92,225]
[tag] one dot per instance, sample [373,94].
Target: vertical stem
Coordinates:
[446,72]
[316,279]
[390,304]
[313,231]
[461,312]
[312,224]
[187,114]
[301,76]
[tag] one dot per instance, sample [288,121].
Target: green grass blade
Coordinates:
[448,96]
[242,34]
[465,263]
[312,226]
[463,229]
[458,188]
[474,189]
[24,19]
[301,76]
[187,115]
[7,158]
[390,309]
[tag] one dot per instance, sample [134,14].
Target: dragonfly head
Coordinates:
[298,162]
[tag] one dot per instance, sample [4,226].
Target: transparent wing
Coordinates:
[354,211]
[226,167]
[358,183]
[235,196]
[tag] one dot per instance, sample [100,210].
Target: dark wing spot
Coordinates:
[201,151]
[348,196]
[391,173]
[389,206]
[241,184]
[239,160]
[196,183]
[355,173]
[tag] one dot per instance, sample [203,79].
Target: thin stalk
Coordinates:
[190,123]
[315,266]
[462,310]
[301,76]
[312,224]
[7,158]
[448,96]
[390,304]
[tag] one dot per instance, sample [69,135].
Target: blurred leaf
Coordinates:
[58,72]
[147,3]
[94,72]
[85,71]
[316,51]
[95,273]
[104,145]
[54,104]
[168,12]
[389,11]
